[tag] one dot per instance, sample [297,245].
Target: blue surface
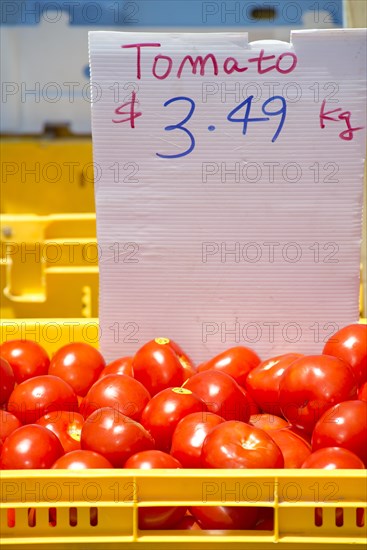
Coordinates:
[170,13]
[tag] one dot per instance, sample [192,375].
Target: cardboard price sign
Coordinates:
[229,179]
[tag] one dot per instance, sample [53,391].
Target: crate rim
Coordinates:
[183,473]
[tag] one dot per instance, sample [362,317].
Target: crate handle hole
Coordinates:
[73,516]
[32,517]
[339,517]
[93,516]
[360,517]
[11,517]
[268,13]
[52,517]
[318,517]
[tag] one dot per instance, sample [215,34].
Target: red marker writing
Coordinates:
[347,134]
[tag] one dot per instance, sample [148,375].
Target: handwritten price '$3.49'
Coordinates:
[245,119]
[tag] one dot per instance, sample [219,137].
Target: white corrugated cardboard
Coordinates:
[252,235]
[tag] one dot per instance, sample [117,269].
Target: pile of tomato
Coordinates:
[158,410]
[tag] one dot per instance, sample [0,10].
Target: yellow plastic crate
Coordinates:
[48,249]
[116,495]
[49,266]
[46,175]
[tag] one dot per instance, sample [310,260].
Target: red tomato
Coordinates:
[26,358]
[311,385]
[165,410]
[294,449]
[189,436]
[123,365]
[188,368]
[67,425]
[81,460]
[186,362]
[119,391]
[301,433]
[262,382]
[187,523]
[32,516]
[8,423]
[30,447]
[79,365]
[39,395]
[225,517]
[7,380]
[146,460]
[178,350]
[237,362]
[157,366]
[265,520]
[160,517]
[344,425]
[11,517]
[331,458]
[362,392]
[350,345]
[222,394]
[268,422]
[115,436]
[235,444]
[254,408]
